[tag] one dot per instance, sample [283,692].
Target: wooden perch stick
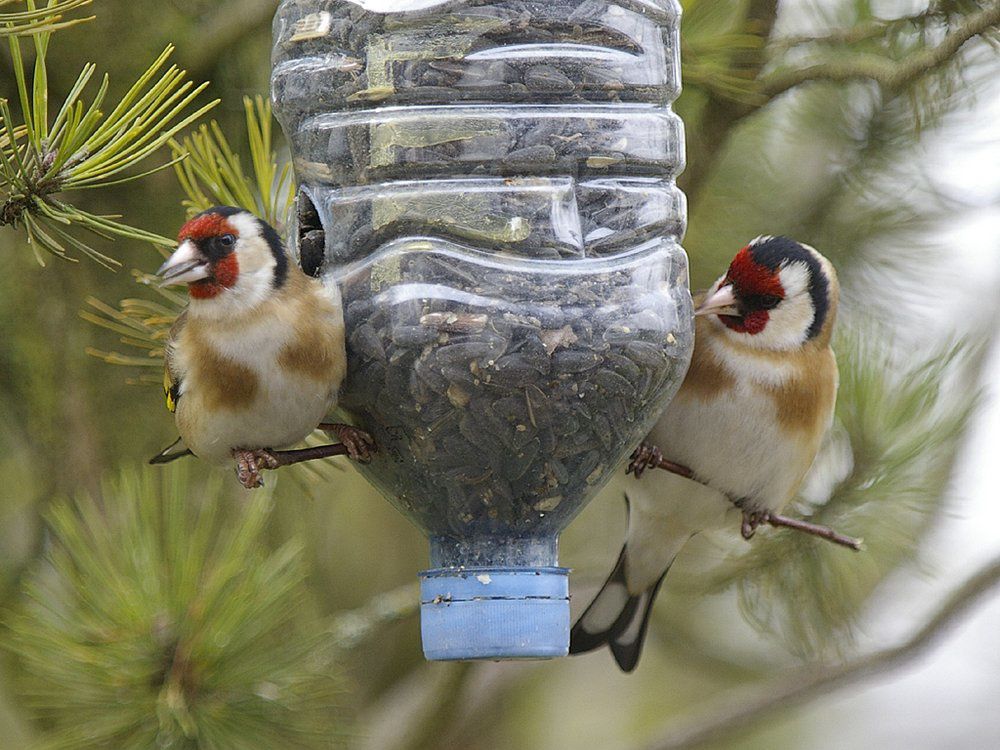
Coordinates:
[815,529]
[649,457]
[354,442]
[299,455]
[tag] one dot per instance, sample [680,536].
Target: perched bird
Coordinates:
[747,421]
[256,360]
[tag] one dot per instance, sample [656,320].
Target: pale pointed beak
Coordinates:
[187,264]
[720,302]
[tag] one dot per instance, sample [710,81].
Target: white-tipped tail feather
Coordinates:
[619,615]
[616,618]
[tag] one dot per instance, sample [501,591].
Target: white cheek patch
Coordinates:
[794,279]
[255,282]
[788,324]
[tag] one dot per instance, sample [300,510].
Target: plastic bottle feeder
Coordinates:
[491,186]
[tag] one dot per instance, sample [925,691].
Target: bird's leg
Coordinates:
[648,456]
[360,445]
[250,464]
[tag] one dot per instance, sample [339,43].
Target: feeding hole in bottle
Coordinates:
[310,234]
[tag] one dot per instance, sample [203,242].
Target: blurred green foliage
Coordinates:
[893,448]
[174,625]
[805,121]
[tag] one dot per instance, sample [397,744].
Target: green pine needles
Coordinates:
[211,174]
[175,625]
[33,20]
[83,147]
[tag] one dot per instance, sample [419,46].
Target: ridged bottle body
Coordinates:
[491,183]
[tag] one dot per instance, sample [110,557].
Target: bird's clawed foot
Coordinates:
[751,520]
[646,456]
[359,444]
[250,464]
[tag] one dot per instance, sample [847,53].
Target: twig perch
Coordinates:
[649,457]
[815,529]
[355,443]
[300,455]
[740,709]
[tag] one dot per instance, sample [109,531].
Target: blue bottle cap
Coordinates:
[494,613]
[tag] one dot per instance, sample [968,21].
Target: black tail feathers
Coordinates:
[616,618]
[172,452]
[592,630]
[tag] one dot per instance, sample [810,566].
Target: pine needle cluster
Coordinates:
[34,20]
[211,173]
[86,145]
[175,625]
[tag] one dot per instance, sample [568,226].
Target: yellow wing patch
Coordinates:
[170,391]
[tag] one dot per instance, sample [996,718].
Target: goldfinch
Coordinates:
[256,360]
[747,421]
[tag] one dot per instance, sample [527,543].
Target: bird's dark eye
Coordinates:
[227,240]
[754,302]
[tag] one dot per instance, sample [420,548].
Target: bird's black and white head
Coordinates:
[778,294]
[228,258]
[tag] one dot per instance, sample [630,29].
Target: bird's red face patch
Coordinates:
[753,322]
[204,226]
[224,275]
[205,231]
[751,280]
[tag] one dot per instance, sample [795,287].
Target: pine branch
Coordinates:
[35,20]
[160,618]
[349,629]
[742,88]
[742,709]
[890,74]
[723,110]
[83,147]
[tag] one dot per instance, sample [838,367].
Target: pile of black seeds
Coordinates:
[519,391]
[338,56]
[504,227]
[539,218]
[373,146]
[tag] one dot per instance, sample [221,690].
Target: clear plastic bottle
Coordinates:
[491,184]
